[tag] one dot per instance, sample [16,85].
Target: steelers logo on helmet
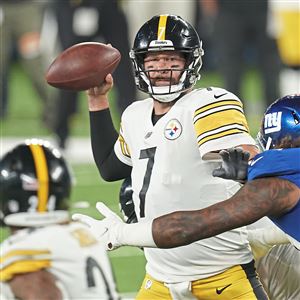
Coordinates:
[167,33]
[173,129]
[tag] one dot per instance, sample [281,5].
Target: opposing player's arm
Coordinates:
[35,285]
[251,149]
[258,198]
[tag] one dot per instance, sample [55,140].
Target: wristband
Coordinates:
[137,234]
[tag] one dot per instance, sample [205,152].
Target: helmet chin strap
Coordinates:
[166,98]
[160,93]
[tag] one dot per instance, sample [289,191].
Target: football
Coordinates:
[83,66]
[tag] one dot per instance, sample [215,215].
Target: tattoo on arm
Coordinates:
[258,198]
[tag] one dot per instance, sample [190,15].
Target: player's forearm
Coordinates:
[252,149]
[103,137]
[98,103]
[255,200]
[258,198]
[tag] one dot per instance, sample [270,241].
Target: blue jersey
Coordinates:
[285,164]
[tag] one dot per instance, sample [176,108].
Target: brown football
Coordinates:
[83,66]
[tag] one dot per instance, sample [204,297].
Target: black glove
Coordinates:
[234,164]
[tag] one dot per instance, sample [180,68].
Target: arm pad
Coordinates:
[135,234]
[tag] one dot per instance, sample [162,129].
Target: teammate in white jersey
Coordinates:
[46,256]
[167,143]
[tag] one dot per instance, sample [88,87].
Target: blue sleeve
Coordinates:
[282,163]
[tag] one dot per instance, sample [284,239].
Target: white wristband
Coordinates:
[137,234]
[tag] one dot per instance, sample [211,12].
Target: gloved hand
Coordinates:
[113,232]
[105,230]
[234,164]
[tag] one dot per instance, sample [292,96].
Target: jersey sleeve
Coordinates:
[221,124]
[280,163]
[121,147]
[23,257]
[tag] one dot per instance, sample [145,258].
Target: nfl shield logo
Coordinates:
[173,129]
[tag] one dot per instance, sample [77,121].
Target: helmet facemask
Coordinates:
[189,75]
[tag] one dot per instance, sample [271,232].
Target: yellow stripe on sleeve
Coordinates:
[22,252]
[218,104]
[23,261]
[41,168]
[219,119]
[124,147]
[161,31]
[219,135]
[220,124]
[24,266]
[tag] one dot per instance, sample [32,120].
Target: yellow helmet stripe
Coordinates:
[42,176]
[161,31]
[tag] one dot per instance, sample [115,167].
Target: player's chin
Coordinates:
[161,83]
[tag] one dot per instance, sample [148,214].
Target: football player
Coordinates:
[272,189]
[126,202]
[46,256]
[166,144]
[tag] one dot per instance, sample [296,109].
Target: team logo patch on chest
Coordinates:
[173,129]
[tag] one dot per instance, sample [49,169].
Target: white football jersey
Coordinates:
[170,174]
[70,252]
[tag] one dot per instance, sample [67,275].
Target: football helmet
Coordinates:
[35,185]
[165,33]
[126,202]
[280,126]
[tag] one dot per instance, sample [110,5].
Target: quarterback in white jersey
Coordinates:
[46,256]
[167,144]
[169,175]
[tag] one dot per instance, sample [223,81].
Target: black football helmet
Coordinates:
[280,126]
[35,185]
[165,33]
[126,202]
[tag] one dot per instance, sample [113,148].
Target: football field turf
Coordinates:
[23,120]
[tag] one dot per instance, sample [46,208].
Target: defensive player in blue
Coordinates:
[272,189]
